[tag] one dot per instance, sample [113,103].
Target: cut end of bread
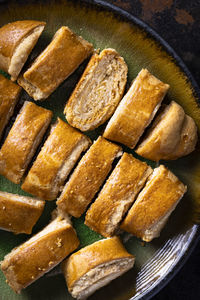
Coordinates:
[100,276]
[33,91]
[98,92]
[154,231]
[172,135]
[22,52]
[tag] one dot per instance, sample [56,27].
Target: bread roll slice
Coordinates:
[154,204]
[41,253]
[55,161]
[188,138]
[22,140]
[98,92]
[19,213]
[17,40]
[172,135]
[95,266]
[136,110]
[88,177]
[61,58]
[117,195]
[9,95]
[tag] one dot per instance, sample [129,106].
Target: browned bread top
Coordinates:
[24,136]
[61,57]
[9,94]
[136,109]
[12,34]
[92,256]
[117,195]
[26,263]
[188,138]
[19,213]
[88,176]
[55,160]
[173,134]
[159,197]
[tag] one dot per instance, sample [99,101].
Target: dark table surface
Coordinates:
[178,22]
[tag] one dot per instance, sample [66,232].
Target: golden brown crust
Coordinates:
[42,252]
[18,213]
[11,35]
[162,191]
[98,92]
[62,56]
[43,179]
[188,139]
[88,177]
[9,94]
[117,195]
[172,135]
[22,140]
[164,136]
[92,256]
[136,110]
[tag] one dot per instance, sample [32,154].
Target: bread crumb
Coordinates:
[58,242]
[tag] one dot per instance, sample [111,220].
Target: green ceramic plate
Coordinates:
[106,26]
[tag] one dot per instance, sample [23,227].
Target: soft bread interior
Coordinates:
[100,276]
[22,52]
[99,93]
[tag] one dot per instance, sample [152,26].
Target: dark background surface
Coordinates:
[178,22]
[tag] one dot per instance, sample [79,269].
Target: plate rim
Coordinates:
[196,93]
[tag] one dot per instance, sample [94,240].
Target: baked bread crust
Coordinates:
[117,195]
[19,213]
[26,263]
[154,204]
[88,176]
[48,70]
[98,92]
[188,138]
[136,110]
[172,135]
[55,161]
[11,36]
[9,95]
[88,258]
[22,140]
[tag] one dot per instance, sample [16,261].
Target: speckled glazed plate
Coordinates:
[107,26]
